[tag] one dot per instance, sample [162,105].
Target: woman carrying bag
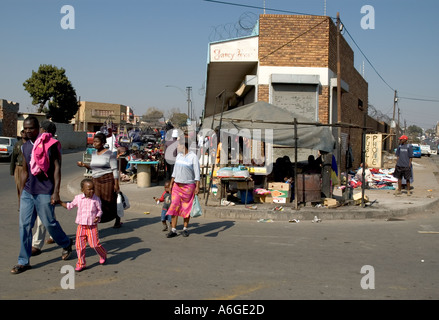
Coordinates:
[105,176]
[185,183]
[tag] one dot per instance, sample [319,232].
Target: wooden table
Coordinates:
[143,172]
[225,181]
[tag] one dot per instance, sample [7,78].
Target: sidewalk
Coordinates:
[383,204]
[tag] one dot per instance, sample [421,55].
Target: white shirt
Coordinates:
[186,168]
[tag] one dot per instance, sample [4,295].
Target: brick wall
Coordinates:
[297,41]
[311,41]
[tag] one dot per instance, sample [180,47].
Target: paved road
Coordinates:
[228,259]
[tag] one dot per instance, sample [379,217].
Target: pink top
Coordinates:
[88,209]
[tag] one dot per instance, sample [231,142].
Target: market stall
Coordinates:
[274,126]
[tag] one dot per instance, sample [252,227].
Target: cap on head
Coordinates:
[403,137]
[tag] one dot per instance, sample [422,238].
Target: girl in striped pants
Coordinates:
[88,215]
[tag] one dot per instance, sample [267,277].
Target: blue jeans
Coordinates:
[165,217]
[30,206]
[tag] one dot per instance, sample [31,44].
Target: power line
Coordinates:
[261,8]
[419,99]
[367,59]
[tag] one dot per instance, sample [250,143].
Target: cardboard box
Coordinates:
[357,198]
[281,186]
[281,200]
[280,191]
[329,202]
[263,198]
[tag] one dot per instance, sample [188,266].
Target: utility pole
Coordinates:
[339,95]
[393,124]
[189,89]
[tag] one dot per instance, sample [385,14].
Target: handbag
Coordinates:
[196,208]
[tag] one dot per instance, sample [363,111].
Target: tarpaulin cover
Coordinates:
[262,115]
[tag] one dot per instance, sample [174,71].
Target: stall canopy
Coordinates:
[262,115]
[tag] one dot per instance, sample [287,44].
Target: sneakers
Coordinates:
[171,234]
[224,202]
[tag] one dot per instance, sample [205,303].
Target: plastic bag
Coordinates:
[196,208]
[122,203]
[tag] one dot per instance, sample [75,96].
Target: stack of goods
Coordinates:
[280,192]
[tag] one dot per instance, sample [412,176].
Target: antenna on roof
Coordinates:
[324,8]
[264,6]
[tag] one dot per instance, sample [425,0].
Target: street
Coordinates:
[227,260]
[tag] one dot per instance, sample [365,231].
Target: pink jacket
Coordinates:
[40,161]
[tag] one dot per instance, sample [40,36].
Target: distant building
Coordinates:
[91,116]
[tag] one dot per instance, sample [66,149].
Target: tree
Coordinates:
[50,85]
[414,131]
[177,118]
[152,115]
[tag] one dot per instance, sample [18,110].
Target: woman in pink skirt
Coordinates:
[185,183]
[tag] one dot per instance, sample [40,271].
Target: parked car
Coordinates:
[425,150]
[417,151]
[6,147]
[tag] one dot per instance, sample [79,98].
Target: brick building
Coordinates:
[290,61]
[8,118]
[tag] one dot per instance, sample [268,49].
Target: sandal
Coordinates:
[67,251]
[20,268]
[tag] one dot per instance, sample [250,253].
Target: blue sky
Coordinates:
[129,51]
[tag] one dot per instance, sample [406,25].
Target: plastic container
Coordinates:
[249,196]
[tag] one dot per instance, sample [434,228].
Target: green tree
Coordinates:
[50,85]
[414,131]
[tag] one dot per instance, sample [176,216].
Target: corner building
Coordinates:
[290,61]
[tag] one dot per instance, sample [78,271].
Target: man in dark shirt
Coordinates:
[404,155]
[39,194]
[16,163]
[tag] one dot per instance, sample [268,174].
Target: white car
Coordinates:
[6,147]
[425,150]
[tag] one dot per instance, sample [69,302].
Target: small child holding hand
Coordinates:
[88,215]
[166,199]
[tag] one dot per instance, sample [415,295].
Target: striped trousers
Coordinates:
[88,234]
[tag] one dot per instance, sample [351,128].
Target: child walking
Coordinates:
[166,199]
[88,215]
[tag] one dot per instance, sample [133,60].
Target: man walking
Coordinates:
[39,194]
[403,167]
